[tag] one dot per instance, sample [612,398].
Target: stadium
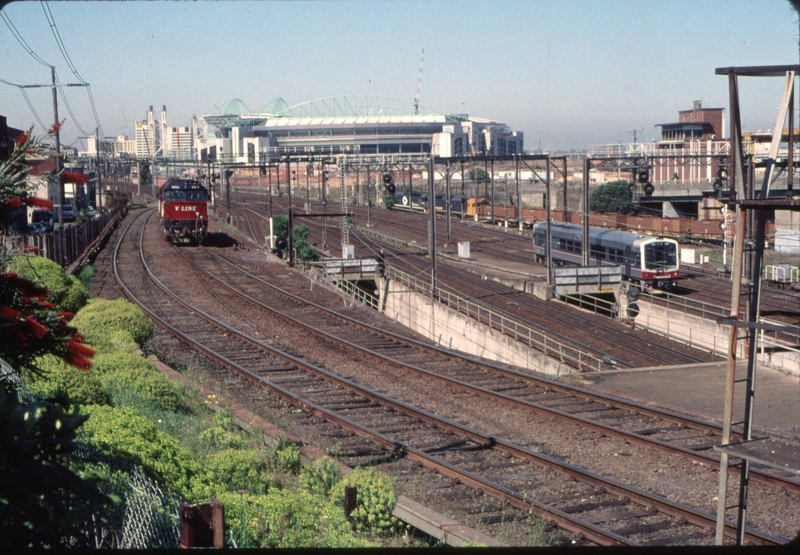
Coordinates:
[353,124]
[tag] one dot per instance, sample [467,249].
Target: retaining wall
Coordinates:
[452,330]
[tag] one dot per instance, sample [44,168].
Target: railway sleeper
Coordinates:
[586,507]
[632,530]
[501,518]
[660,430]
[618,515]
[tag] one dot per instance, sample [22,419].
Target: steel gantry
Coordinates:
[747,275]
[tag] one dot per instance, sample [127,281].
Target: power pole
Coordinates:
[59,163]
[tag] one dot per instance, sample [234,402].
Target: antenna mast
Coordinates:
[419,83]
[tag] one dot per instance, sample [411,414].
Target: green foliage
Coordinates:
[233,470]
[52,276]
[101,317]
[299,237]
[614,196]
[123,432]
[116,341]
[375,501]
[58,379]
[129,372]
[287,455]
[225,434]
[42,500]
[284,519]
[388,201]
[14,169]
[86,275]
[320,477]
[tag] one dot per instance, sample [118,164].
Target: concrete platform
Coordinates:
[700,390]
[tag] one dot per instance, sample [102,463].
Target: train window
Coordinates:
[173,195]
[658,256]
[538,240]
[598,251]
[616,255]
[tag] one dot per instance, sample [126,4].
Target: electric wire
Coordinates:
[62,47]
[22,42]
[69,108]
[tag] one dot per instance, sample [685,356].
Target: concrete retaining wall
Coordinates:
[707,335]
[455,331]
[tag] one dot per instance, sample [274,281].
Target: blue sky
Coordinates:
[568,73]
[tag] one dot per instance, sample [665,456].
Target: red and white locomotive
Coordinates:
[183,207]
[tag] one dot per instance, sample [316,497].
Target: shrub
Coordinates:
[102,316]
[233,470]
[131,373]
[86,275]
[122,431]
[286,519]
[52,276]
[60,380]
[76,296]
[320,477]
[287,455]
[225,434]
[375,501]
[117,341]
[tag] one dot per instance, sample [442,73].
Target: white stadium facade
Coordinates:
[354,124]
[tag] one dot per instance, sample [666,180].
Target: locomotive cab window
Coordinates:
[660,255]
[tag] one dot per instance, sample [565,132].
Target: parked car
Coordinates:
[44,217]
[36,229]
[70,214]
[90,212]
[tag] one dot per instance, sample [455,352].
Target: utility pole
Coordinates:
[99,182]
[59,162]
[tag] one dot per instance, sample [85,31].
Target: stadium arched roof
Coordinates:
[355,106]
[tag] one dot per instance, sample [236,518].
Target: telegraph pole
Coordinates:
[59,164]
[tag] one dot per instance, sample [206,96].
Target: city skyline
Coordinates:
[567,74]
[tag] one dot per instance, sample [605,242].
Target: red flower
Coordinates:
[73,177]
[14,203]
[65,315]
[78,353]
[37,202]
[31,248]
[21,139]
[55,127]
[38,330]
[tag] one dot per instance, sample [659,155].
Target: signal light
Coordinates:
[648,189]
[644,176]
[387,178]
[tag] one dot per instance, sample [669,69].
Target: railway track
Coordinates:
[344,402]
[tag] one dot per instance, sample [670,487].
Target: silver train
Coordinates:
[649,260]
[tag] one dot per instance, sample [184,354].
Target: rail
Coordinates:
[570,355]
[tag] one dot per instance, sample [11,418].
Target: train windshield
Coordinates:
[660,256]
[185,191]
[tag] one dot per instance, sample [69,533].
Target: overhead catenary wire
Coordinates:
[62,47]
[22,42]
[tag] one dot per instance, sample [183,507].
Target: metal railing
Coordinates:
[788,337]
[535,339]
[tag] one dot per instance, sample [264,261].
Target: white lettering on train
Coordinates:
[186,208]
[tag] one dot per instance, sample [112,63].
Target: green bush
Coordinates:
[86,275]
[60,380]
[52,276]
[320,477]
[134,374]
[374,503]
[116,341]
[225,434]
[122,431]
[287,455]
[101,317]
[286,519]
[233,470]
